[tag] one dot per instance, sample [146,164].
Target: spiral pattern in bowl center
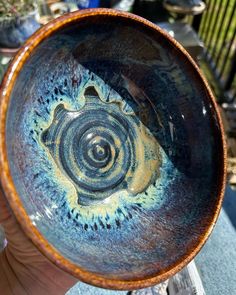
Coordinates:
[101,149]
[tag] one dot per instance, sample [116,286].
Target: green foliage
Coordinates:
[14,8]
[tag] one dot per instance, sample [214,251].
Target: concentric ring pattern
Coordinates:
[114,147]
[101,149]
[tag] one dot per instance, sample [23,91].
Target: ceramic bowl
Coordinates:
[111,150]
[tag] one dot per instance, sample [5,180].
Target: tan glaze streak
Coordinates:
[148,161]
[147,148]
[7,181]
[147,155]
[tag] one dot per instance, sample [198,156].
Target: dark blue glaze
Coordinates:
[114,147]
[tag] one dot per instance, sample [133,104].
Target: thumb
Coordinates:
[5,211]
[14,234]
[18,243]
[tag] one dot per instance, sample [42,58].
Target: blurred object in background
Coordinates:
[51,9]
[152,10]
[186,282]
[44,7]
[192,7]
[124,5]
[160,289]
[231,170]
[83,4]
[186,36]
[44,11]
[59,8]
[17,22]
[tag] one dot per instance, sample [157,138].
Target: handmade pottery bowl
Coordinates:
[112,152]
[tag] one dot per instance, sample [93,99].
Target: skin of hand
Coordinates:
[23,269]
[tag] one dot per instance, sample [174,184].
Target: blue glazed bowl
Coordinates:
[112,149]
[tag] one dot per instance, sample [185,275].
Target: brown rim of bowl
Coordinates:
[7,182]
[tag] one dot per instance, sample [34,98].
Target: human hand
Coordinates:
[23,269]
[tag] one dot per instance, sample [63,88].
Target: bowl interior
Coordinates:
[114,147]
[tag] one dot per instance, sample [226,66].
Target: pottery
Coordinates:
[192,7]
[15,31]
[111,149]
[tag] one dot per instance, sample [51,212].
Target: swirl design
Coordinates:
[98,148]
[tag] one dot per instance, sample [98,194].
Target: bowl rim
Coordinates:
[8,185]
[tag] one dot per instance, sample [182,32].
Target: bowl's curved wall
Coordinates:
[156,127]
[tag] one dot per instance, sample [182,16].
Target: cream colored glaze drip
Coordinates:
[147,161]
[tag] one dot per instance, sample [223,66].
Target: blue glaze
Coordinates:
[14,32]
[142,92]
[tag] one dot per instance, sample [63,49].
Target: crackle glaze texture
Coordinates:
[114,147]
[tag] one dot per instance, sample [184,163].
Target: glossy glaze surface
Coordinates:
[115,148]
